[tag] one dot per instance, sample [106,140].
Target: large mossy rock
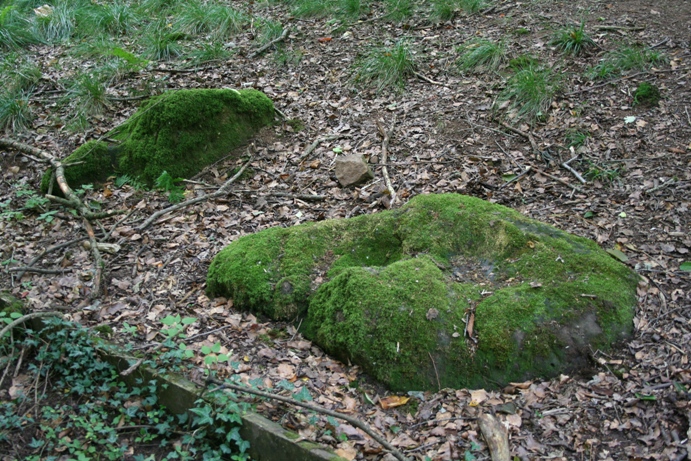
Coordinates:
[390,291]
[179,131]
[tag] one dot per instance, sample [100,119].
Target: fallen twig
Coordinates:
[223,190]
[528,136]
[517,177]
[660,186]
[37,270]
[26,317]
[298,196]
[427,79]
[49,250]
[622,28]
[574,172]
[576,188]
[355,422]
[260,50]
[495,436]
[386,135]
[318,141]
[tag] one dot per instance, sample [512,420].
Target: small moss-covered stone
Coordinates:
[179,132]
[646,94]
[392,291]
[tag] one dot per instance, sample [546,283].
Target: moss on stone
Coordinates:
[179,132]
[365,287]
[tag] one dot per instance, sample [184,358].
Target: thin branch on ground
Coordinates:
[575,188]
[574,172]
[355,422]
[223,190]
[386,135]
[50,249]
[262,49]
[527,135]
[517,177]
[318,141]
[27,317]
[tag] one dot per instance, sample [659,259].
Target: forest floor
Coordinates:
[445,137]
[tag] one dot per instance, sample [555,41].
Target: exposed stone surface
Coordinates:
[393,291]
[352,170]
[179,132]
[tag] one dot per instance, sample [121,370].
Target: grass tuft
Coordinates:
[443,10]
[88,93]
[528,94]
[387,67]
[399,10]
[481,53]
[15,29]
[624,59]
[472,6]
[15,112]
[217,20]
[573,41]
[161,42]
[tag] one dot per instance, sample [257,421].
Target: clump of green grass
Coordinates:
[15,111]
[646,94]
[269,30]
[573,41]
[215,19]
[472,6]
[15,29]
[523,61]
[624,59]
[601,173]
[444,10]
[311,8]
[482,53]
[528,94]
[19,73]
[350,8]
[521,31]
[88,94]
[399,10]
[161,42]
[209,52]
[116,18]
[57,23]
[576,138]
[387,67]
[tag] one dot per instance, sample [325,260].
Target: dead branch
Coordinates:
[223,190]
[318,141]
[427,79]
[495,436]
[620,28]
[36,270]
[45,252]
[386,135]
[355,422]
[528,136]
[576,188]
[26,317]
[298,196]
[259,51]
[574,172]
[517,177]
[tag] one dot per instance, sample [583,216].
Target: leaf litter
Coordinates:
[632,404]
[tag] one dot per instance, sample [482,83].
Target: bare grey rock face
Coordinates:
[352,170]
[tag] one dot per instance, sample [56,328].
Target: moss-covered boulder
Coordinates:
[394,291]
[180,132]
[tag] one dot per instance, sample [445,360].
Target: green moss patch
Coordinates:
[179,132]
[646,94]
[392,291]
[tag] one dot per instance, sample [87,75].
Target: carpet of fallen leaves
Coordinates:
[633,404]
